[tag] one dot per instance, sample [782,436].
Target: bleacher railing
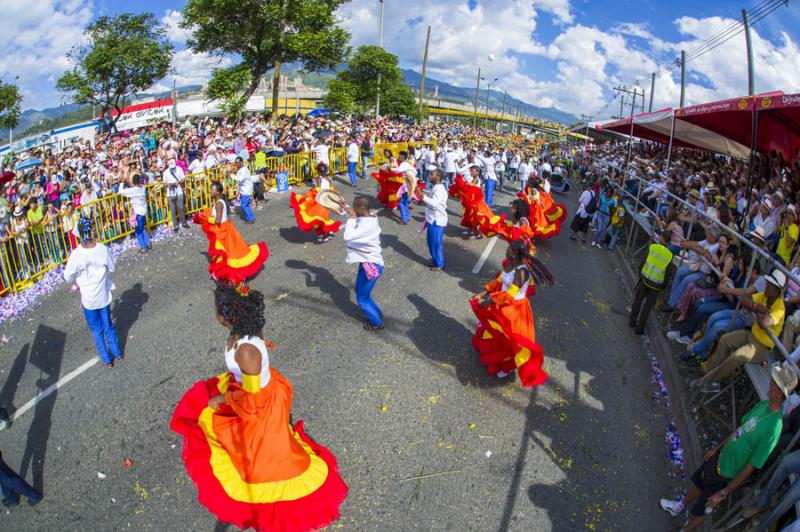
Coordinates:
[27,256]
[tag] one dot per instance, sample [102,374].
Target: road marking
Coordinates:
[52,388]
[485,255]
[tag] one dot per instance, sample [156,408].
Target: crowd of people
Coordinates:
[724,301]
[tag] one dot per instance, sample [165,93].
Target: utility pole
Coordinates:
[174,102]
[621,105]
[424,67]
[751,81]
[588,119]
[683,78]
[477,89]
[652,91]
[503,112]
[488,91]
[380,43]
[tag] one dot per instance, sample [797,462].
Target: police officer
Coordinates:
[652,280]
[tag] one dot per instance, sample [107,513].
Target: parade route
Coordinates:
[425,439]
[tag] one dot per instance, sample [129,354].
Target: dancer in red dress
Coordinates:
[310,215]
[232,258]
[250,466]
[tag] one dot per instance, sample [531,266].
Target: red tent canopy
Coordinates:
[779,124]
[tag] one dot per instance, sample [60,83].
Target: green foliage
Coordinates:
[125,54]
[10,105]
[360,83]
[267,33]
[229,85]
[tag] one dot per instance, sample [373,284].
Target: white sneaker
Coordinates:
[502,374]
[685,340]
[673,335]
[675,508]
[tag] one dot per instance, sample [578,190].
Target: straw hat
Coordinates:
[785,377]
[777,278]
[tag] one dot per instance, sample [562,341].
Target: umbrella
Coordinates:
[319,112]
[29,163]
[5,177]
[322,133]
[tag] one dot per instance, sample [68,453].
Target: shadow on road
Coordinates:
[444,340]
[46,355]
[295,235]
[9,389]
[126,311]
[321,278]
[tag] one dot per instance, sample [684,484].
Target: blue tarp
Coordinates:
[29,163]
[319,112]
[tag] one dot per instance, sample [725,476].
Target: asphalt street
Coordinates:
[425,439]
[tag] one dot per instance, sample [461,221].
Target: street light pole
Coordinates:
[380,43]
[477,91]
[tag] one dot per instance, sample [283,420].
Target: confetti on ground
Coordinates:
[101,476]
[471,425]
[488,454]
[283,296]
[433,399]
[384,408]
[140,490]
[127,463]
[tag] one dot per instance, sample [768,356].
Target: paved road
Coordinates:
[424,438]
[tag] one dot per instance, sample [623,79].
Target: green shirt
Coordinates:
[752,442]
[35,215]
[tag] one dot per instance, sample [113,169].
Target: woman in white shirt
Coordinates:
[89,265]
[362,236]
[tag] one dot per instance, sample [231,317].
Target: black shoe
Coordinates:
[175,229]
[631,324]
[638,331]
[8,503]
[666,309]
[185,225]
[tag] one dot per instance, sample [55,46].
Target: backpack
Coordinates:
[591,207]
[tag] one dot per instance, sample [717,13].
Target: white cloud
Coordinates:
[37,36]
[172,20]
[559,8]
[191,69]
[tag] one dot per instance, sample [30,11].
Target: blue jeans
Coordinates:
[717,326]
[435,235]
[702,310]
[364,163]
[788,466]
[403,205]
[614,233]
[448,179]
[491,184]
[104,333]
[141,232]
[351,171]
[601,227]
[364,296]
[13,486]
[683,277]
[247,212]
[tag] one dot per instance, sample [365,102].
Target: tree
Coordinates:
[228,84]
[360,82]
[124,55]
[10,105]
[266,34]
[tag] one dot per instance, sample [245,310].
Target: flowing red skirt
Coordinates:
[506,339]
[232,259]
[250,466]
[310,215]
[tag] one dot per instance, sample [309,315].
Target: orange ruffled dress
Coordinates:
[310,215]
[389,184]
[546,214]
[232,259]
[250,466]
[505,338]
[477,214]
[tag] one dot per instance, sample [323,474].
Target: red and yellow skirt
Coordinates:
[477,214]
[250,466]
[506,339]
[546,215]
[310,215]
[232,259]
[388,185]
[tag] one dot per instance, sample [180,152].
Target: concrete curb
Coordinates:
[680,409]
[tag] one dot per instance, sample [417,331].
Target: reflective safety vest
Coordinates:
[260,160]
[655,267]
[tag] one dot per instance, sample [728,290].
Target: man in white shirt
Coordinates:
[428,162]
[89,265]
[524,172]
[487,163]
[436,219]
[362,236]
[173,179]
[320,151]
[245,180]
[406,191]
[353,153]
[137,194]
[451,158]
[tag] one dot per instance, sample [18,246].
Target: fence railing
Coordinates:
[25,257]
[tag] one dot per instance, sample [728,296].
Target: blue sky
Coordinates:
[563,53]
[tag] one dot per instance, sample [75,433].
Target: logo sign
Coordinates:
[742,104]
[282,181]
[766,103]
[144,114]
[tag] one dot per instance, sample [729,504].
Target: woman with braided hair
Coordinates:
[505,337]
[250,466]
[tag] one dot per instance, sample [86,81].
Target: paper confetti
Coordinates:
[101,476]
